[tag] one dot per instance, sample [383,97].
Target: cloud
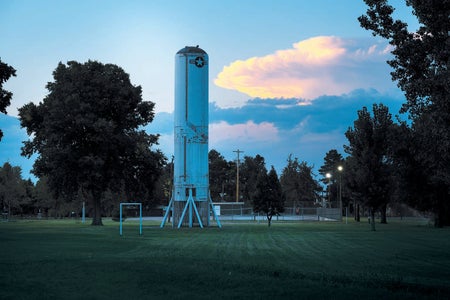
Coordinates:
[249,132]
[275,128]
[323,65]
[272,128]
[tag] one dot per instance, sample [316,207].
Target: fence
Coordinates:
[237,212]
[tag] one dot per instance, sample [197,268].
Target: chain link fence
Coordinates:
[237,212]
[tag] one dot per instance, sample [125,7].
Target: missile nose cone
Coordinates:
[192,49]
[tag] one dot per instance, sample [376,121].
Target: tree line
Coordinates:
[87,133]
[260,188]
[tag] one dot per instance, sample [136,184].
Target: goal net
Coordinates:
[122,204]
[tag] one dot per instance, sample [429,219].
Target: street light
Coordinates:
[340,169]
[328,175]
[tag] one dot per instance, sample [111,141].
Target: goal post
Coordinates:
[140,215]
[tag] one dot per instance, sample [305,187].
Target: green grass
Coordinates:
[70,260]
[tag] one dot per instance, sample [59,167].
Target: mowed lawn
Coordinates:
[304,260]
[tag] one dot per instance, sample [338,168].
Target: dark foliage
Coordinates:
[6,72]
[250,170]
[300,187]
[370,163]
[221,176]
[87,134]
[269,197]
[421,69]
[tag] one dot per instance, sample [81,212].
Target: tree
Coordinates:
[6,72]
[28,198]
[12,189]
[421,69]
[44,197]
[298,184]
[219,175]
[332,161]
[164,185]
[412,184]
[369,161]
[251,168]
[269,197]
[87,135]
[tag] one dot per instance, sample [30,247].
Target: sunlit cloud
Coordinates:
[324,65]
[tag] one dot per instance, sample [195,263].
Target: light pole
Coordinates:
[340,169]
[328,175]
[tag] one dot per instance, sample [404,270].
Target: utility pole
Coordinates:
[237,174]
[340,193]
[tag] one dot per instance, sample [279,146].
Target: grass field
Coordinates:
[306,260]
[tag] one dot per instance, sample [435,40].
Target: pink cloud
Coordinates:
[324,65]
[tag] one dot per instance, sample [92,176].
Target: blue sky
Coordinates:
[286,77]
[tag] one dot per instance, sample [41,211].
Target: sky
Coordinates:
[285,77]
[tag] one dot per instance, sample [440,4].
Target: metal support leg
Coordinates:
[214,212]
[190,204]
[169,208]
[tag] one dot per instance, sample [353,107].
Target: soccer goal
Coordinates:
[140,215]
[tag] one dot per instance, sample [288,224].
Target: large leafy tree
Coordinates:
[87,133]
[421,68]
[370,162]
[411,184]
[298,183]
[269,197]
[6,72]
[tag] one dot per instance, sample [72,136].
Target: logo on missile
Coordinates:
[198,61]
